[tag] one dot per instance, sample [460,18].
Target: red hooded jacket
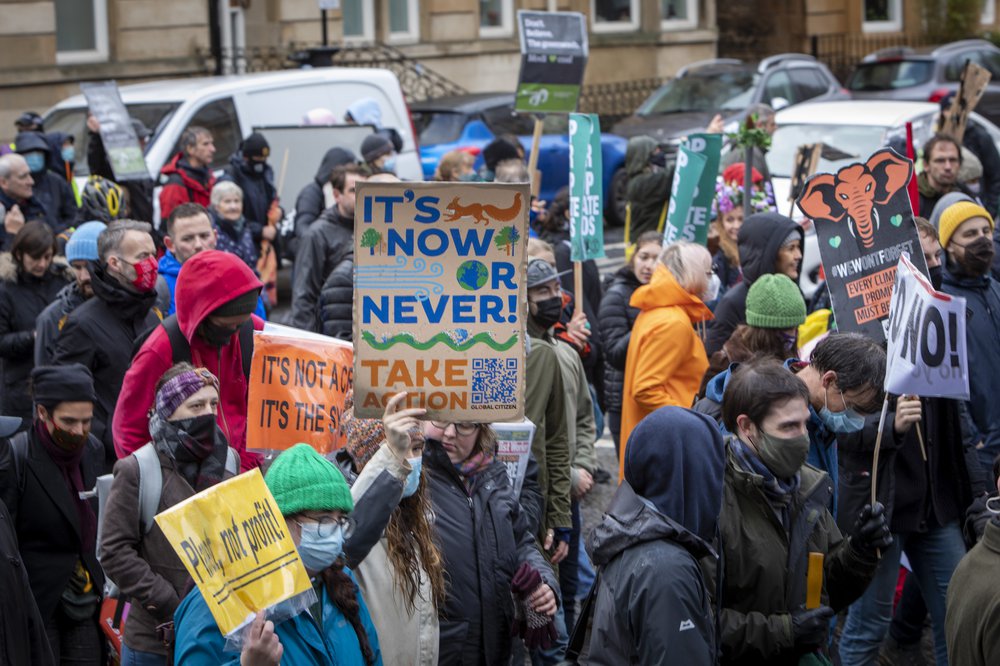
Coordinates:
[183,183]
[206,281]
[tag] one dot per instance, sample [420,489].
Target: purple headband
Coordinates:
[178,389]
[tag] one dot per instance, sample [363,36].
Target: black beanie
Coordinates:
[53,384]
[375,146]
[241,305]
[256,145]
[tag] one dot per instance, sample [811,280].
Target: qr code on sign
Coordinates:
[494,381]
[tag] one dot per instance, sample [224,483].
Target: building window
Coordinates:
[81,31]
[358,20]
[404,21]
[678,14]
[989,15]
[881,16]
[615,15]
[496,18]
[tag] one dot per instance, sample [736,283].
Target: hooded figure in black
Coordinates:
[652,605]
[761,238]
[313,200]
[249,169]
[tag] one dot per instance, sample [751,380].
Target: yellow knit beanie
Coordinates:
[957,213]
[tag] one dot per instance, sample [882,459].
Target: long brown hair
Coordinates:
[727,244]
[410,544]
[343,593]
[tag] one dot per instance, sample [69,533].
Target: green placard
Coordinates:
[586,189]
[687,175]
[700,214]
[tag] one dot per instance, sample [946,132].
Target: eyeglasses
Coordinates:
[460,428]
[327,524]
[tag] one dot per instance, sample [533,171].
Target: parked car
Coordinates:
[688,102]
[449,123]
[231,106]
[927,75]
[852,128]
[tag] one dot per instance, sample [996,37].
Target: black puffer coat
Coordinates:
[617,318]
[484,538]
[100,335]
[22,635]
[22,298]
[336,301]
[326,243]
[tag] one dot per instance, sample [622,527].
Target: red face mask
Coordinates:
[145,274]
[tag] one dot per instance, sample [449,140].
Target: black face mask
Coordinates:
[200,431]
[658,159]
[978,256]
[935,276]
[217,336]
[547,312]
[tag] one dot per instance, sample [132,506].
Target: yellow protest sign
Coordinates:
[233,541]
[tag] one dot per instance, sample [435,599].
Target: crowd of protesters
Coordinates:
[743,421]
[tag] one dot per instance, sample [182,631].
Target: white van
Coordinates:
[231,106]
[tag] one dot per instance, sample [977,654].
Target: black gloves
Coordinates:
[809,627]
[871,531]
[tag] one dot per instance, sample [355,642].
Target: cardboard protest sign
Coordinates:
[927,347]
[864,223]
[806,161]
[971,89]
[439,301]
[117,134]
[553,58]
[586,188]
[699,216]
[513,449]
[687,176]
[297,391]
[233,541]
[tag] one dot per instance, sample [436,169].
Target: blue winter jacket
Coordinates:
[981,414]
[170,268]
[199,643]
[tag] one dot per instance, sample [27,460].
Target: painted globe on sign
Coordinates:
[472,275]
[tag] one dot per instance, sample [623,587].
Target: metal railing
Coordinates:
[417,81]
[613,101]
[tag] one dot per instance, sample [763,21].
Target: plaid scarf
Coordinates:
[471,467]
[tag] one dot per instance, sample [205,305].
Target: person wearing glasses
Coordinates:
[315,500]
[666,356]
[497,580]
[193,454]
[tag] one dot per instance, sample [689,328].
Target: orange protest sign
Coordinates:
[297,391]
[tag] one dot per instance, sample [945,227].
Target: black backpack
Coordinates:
[181,348]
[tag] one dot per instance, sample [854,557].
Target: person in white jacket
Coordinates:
[402,577]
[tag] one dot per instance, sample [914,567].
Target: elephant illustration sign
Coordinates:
[863,221]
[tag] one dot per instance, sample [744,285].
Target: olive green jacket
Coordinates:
[765,566]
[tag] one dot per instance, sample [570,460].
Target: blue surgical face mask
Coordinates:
[35,160]
[846,421]
[389,164]
[413,478]
[318,552]
[69,154]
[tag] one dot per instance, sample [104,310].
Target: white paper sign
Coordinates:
[927,351]
[513,449]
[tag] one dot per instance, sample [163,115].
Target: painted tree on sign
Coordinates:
[507,239]
[372,240]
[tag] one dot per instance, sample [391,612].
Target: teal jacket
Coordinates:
[199,642]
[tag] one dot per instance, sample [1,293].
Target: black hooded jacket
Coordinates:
[100,335]
[311,201]
[336,301]
[652,605]
[761,236]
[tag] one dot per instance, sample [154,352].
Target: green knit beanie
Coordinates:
[302,480]
[774,301]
